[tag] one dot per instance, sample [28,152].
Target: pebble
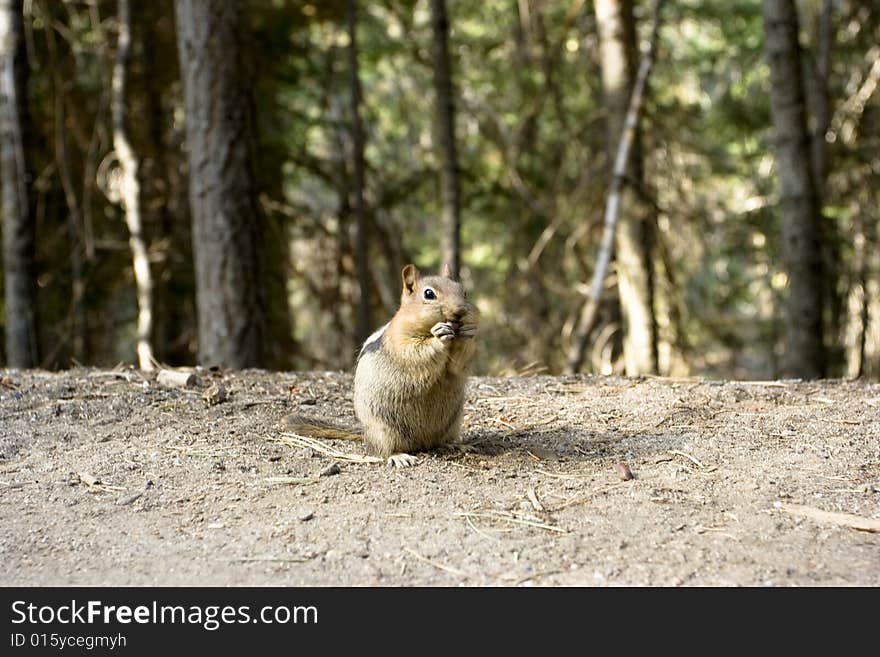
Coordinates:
[306,516]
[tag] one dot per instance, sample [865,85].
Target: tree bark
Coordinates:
[617,39]
[821,114]
[130,189]
[363,324]
[830,234]
[227,223]
[858,302]
[799,198]
[18,225]
[626,226]
[445,110]
[78,319]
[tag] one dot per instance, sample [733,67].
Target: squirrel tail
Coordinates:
[319,429]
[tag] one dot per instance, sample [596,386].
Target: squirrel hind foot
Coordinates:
[402,460]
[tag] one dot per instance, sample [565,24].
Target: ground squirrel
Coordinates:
[411,373]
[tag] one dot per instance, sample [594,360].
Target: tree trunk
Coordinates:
[78,319]
[830,234]
[445,99]
[130,189]
[858,302]
[363,324]
[822,69]
[18,226]
[226,220]
[801,249]
[164,201]
[625,146]
[617,44]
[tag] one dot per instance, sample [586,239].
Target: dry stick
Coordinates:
[844,519]
[508,517]
[130,192]
[590,311]
[292,481]
[533,499]
[478,530]
[688,457]
[268,559]
[177,379]
[448,569]
[543,573]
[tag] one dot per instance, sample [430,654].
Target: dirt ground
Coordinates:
[110,478]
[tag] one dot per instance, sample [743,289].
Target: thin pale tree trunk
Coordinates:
[227,224]
[638,309]
[799,195]
[444,90]
[18,226]
[858,302]
[130,189]
[362,326]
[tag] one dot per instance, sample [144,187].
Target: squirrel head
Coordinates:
[426,300]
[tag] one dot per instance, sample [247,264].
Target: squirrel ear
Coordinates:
[447,271]
[410,275]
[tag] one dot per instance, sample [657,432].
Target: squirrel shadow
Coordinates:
[557,443]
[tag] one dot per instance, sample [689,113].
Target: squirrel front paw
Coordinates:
[443,331]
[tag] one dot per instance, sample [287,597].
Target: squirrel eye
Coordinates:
[429,293]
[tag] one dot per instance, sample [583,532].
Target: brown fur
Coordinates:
[317,429]
[409,393]
[409,384]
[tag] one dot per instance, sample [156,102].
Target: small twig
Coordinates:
[274,559]
[448,569]
[96,484]
[543,573]
[843,519]
[688,457]
[480,531]
[562,475]
[502,422]
[509,517]
[570,501]
[533,498]
[720,531]
[292,481]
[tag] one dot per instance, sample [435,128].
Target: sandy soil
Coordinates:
[110,478]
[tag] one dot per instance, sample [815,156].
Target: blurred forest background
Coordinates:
[240,183]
